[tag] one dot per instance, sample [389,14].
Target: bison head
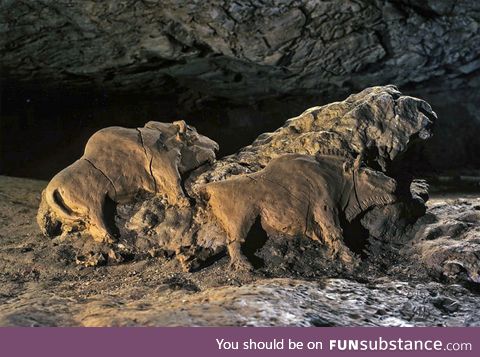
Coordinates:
[194,149]
[369,188]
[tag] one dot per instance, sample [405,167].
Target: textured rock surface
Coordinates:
[270,59]
[275,302]
[240,49]
[377,123]
[448,242]
[233,69]
[310,159]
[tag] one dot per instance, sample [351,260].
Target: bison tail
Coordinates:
[55,201]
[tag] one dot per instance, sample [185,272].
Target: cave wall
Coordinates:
[232,68]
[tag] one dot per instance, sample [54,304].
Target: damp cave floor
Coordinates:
[40,286]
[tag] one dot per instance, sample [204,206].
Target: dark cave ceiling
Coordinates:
[243,50]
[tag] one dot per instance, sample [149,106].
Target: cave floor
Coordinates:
[41,286]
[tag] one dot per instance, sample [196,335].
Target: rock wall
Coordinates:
[242,66]
[241,49]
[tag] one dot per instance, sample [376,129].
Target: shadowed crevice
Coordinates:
[355,236]
[109,213]
[255,240]
[149,159]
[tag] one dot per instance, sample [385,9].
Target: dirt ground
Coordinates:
[41,285]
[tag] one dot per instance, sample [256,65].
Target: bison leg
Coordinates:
[237,232]
[167,178]
[102,220]
[231,206]
[237,260]
[326,216]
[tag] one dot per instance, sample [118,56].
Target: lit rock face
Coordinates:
[240,49]
[378,123]
[448,241]
[310,178]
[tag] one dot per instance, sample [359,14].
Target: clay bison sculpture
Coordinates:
[117,164]
[301,179]
[298,195]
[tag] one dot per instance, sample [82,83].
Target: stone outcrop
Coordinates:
[378,123]
[310,159]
